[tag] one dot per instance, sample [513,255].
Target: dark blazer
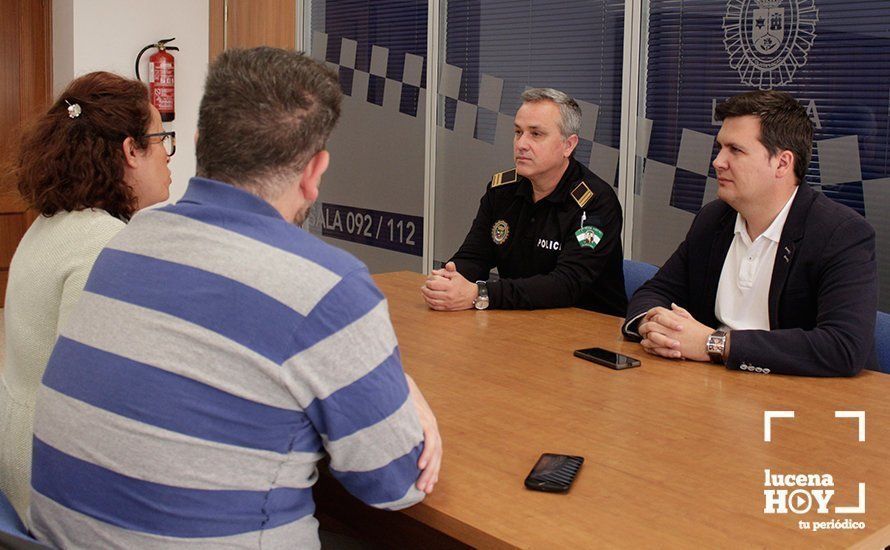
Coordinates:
[822,298]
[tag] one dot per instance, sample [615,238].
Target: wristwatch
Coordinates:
[716,345]
[481,301]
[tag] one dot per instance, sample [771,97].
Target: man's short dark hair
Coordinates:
[784,124]
[265,113]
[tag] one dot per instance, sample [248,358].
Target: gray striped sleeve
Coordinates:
[377,445]
[341,358]
[412,497]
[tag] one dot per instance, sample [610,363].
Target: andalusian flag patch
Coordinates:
[589,236]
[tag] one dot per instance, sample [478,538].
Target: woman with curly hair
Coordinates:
[98,155]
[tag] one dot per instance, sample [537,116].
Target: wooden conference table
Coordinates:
[675,452]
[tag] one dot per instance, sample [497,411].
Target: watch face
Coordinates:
[481,303]
[715,345]
[716,341]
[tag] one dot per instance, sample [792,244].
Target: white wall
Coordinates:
[92,35]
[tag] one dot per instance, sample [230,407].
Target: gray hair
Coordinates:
[264,114]
[569,111]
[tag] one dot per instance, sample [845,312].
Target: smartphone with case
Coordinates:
[607,358]
[554,473]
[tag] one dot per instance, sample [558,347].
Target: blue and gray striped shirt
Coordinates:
[218,352]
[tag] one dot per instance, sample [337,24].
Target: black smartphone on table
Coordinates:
[554,473]
[607,358]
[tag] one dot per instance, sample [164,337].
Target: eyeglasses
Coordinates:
[168,139]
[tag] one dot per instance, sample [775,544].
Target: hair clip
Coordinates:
[74,110]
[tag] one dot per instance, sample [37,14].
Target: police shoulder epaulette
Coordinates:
[582,194]
[503,178]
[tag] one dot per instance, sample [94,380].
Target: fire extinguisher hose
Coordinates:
[139,57]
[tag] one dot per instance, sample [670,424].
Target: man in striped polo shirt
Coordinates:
[219,351]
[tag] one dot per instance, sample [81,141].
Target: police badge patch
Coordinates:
[589,236]
[499,232]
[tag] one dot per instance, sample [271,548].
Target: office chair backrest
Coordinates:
[882,341]
[13,534]
[635,274]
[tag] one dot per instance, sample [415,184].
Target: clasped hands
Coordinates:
[447,290]
[674,333]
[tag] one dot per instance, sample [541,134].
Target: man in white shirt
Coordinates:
[773,277]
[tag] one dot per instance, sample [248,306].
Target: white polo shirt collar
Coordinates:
[743,290]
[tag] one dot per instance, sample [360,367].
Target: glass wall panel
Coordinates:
[371,200]
[833,55]
[492,51]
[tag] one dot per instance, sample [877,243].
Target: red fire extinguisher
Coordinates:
[161,78]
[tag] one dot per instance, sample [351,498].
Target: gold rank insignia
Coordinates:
[503,178]
[582,194]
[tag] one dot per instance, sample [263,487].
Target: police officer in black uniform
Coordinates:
[550,226]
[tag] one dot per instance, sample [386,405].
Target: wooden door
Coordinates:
[248,23]
[25,90]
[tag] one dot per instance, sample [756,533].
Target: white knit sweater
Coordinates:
[48,272]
